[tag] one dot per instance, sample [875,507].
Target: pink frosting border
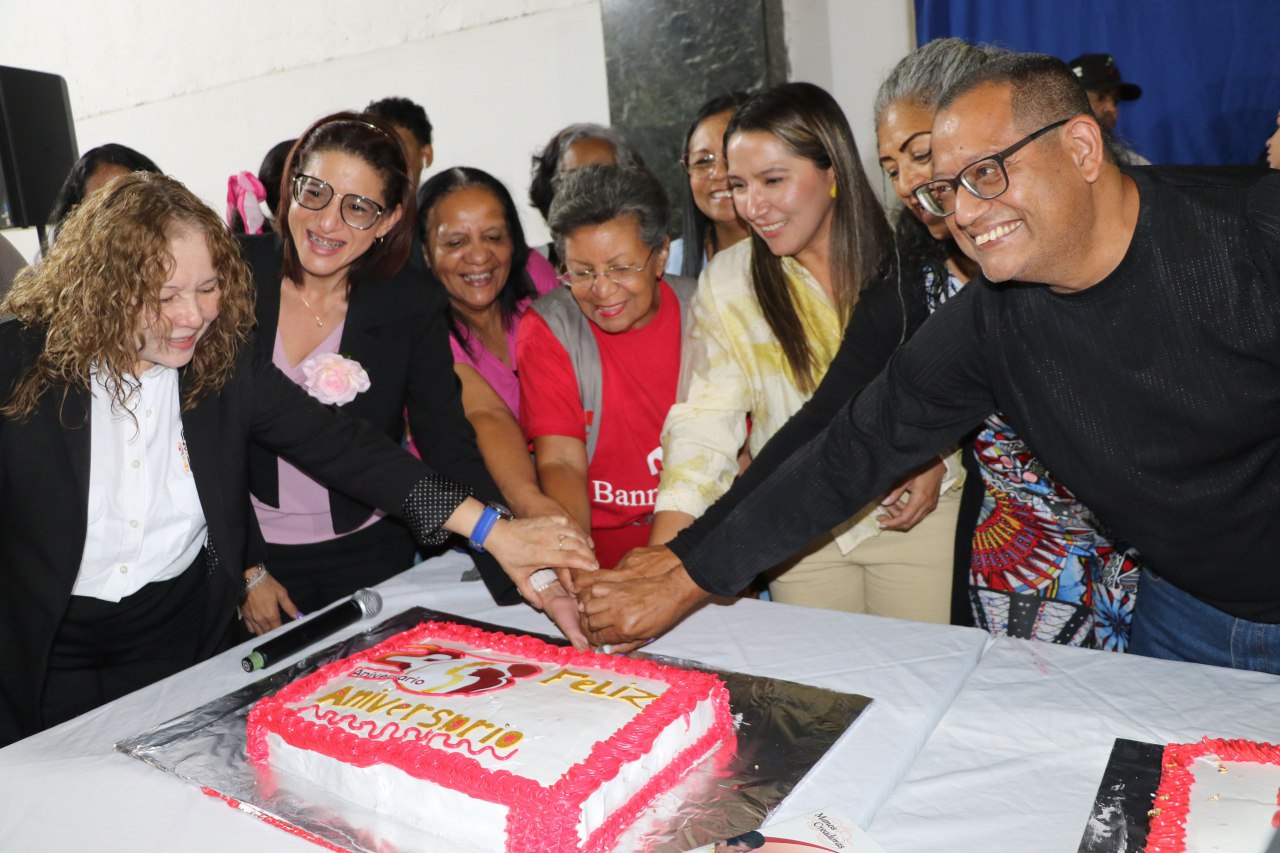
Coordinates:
[540,817]
[602,840]
[1169,819]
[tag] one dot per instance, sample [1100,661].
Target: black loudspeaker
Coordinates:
[37,145]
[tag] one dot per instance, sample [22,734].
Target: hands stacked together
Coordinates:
[551,560]
[644,596]
[650,590]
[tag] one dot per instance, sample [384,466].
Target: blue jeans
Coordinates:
[1175,625]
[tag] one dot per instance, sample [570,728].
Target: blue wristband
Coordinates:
[480,532]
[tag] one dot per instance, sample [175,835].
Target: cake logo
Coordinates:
[430,669]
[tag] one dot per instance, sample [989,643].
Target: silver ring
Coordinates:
[542,579]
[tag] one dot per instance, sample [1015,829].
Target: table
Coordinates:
[1015,763]
[67,789]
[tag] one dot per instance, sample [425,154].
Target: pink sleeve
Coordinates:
[459,354]
[541,272]
[549,400]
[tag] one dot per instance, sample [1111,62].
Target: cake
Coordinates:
[1216,796]
[505,742]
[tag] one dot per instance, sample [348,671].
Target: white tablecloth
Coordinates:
[66,789]
[1015,764]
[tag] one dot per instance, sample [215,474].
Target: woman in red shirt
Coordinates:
[600,360]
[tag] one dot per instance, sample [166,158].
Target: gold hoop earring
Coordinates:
[833,190]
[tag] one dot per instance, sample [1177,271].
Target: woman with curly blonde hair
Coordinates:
[128,399]
[86,297]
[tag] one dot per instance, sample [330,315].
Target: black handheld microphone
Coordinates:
[363,604]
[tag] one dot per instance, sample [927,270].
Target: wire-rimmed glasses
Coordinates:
[357,211]
[620,274]
[701,165]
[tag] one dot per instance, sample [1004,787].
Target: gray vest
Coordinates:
[573,330]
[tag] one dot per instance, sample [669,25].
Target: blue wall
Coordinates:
[1209,72]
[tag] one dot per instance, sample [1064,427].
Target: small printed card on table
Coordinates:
[823,830]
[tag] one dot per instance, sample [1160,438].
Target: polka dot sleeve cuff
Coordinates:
[430,503]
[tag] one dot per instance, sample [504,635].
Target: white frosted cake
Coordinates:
[506,742]
[1216,796]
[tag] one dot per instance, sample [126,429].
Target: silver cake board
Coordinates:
[785,729]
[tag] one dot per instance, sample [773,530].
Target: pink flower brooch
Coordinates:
[334,379]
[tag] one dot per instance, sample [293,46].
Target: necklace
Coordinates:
[319,322]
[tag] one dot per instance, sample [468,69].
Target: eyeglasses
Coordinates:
[986,178]
[702,165]
[357,211]
[620,274]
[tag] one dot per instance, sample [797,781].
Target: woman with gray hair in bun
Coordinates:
[1032,561]
[572,147]
[600,358]
[904,108]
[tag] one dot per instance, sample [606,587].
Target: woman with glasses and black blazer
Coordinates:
[341,314]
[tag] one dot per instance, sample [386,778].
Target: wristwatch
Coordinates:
[488,518]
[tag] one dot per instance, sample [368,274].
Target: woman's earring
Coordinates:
[833,190]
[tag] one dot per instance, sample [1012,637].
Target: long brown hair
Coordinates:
[810,122]
[103,272]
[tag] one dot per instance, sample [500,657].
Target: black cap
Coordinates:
[1099,72]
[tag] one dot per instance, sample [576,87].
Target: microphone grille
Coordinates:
[369,602]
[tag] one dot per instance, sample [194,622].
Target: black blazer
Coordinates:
[398,331]
[44,498]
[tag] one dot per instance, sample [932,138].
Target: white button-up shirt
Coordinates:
[145,522]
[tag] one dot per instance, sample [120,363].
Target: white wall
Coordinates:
[204,89]
[847,47]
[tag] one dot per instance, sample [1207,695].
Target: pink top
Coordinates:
[303,515]
[541,272]
[503,379]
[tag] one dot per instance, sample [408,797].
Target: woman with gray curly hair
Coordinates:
[577,145]
[600,358]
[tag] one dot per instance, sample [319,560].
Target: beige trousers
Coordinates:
[903,575]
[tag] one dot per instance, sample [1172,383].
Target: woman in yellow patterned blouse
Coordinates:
[769,316]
